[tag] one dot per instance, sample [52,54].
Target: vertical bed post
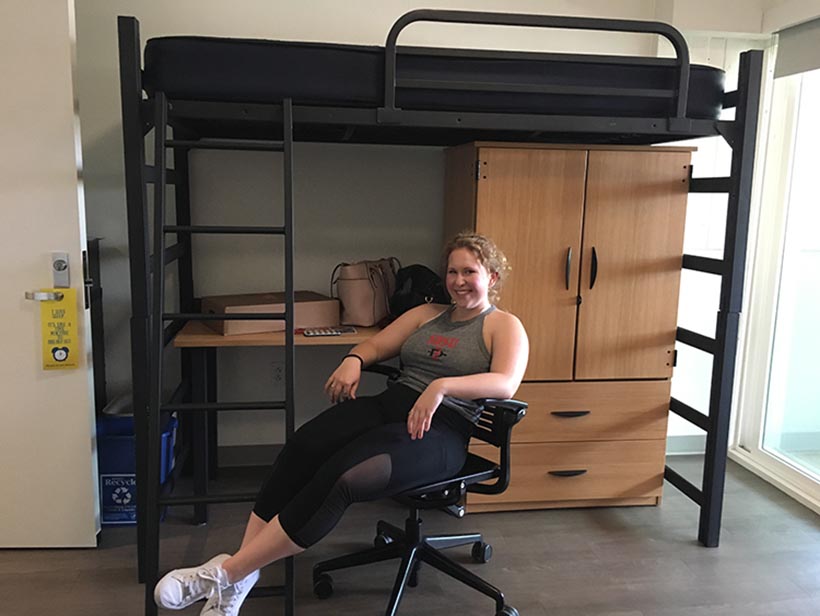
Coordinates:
[156,347]
[290,355]
[742,141]
[182,206]
[133,129]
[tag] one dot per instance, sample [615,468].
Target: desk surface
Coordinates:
[198,334]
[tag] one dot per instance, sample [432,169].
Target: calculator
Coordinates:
[329,331]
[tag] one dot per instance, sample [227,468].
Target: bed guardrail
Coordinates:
[391,114]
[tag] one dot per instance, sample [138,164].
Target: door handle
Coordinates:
[44,296]
[571,473]
[570,413]
[593,270]
[569,263]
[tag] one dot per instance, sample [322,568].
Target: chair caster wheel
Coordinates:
[323,586]
[382,540]
[482,552]
[507,610]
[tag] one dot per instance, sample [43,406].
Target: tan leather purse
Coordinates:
[364,289]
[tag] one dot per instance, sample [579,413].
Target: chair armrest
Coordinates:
[495,427]
[512,411]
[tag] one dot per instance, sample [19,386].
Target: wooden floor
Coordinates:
[601,562]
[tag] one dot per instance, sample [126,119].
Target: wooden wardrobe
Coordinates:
[594,235]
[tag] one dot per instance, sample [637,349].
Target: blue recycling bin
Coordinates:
[117,462]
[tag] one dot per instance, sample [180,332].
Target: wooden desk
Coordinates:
[196,334]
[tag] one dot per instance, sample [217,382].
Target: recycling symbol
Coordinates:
[121,496]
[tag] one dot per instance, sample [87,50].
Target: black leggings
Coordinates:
[355,451]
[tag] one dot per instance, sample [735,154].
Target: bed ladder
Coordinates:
[153,328]
[740,135]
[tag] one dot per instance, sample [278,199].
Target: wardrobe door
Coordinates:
[630,270]
[530,202]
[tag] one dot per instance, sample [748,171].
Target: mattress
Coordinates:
[261,71]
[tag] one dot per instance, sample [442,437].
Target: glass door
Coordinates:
[779,407]
[791,430]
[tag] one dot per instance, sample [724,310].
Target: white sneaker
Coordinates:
[230,599]
[181,587]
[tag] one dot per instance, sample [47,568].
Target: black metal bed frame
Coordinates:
[214,125]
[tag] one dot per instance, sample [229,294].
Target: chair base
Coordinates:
[413,549]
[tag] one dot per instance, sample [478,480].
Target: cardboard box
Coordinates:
[311,310]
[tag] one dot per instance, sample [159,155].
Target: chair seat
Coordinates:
[476,469]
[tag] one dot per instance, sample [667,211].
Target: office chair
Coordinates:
[494,427]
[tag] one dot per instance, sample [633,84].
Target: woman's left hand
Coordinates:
[421,415]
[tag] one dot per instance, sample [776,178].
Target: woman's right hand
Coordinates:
[344,381]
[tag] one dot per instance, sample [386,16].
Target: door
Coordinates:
[630,270]
[47,451]
[779,423]
[530,201]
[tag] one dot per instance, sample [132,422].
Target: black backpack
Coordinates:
[417,285]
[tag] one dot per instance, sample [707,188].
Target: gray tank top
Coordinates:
[442,348]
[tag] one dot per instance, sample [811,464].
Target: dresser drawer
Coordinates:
[580,471]
[593,411]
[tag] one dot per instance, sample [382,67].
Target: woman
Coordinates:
[360,449]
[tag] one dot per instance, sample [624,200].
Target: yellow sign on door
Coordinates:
[58,322]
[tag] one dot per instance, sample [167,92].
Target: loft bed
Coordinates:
[263,95]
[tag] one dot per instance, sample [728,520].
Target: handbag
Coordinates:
[364,289]
[417,285]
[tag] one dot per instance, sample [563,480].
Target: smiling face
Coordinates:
[468,281]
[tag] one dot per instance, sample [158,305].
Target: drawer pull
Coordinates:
[570,413]
[572,473]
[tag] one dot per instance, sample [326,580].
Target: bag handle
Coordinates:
[333,278]
[395,264]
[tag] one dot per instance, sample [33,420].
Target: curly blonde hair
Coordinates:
[487,253]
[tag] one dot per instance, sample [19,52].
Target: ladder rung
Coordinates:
[171,330]
[181,391]
[227,144]
[689,414]
[698,341]
[243,316]
[172,253]
[212,499]
[169,255]
[265,405]
[704,264]
[223,229]
[151,175]
[710,185]
[684,485]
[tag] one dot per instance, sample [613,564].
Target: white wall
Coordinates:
[396,188]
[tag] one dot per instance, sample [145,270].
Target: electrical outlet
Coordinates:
[278,372]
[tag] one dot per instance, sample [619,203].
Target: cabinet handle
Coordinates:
[593,272]
[570,413]
[569,263]
[572,473]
